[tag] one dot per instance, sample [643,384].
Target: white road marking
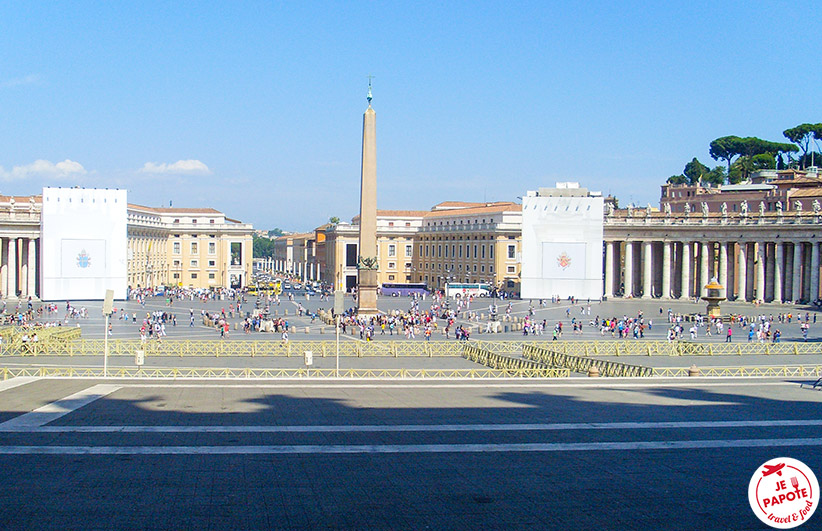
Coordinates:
[55,410]
[16,382]
[407,448]
[344,383]
[372,428]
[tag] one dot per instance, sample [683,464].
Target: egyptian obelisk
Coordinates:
[367,263]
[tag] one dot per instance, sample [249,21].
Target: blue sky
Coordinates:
[255,108]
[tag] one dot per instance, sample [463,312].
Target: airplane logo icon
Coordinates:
[770,469]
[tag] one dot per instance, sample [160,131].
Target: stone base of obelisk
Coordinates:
[367,293]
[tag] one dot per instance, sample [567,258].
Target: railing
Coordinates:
[21,341]
[750,371]
[65,341]
[250,348]
[521,367]
[168,372]
[583,365]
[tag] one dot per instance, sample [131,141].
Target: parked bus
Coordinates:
[467,290]
[403,290]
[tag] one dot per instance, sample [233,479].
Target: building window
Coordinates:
[193,247]
[211,276]
[194,221]
[390,223]
[177,220]
[176,263]
[460,250]
[475,268]
[439,251]
[212,247]
[194,263]
[446,251]
[392,265]
[236,253]
[491,268]
[407,265]
[483,251]
[176,247]
[392,250]
[511,269]
[176,276]
[409,249]
[491,251]
[482,269]
[390,277]
[512,252]
[212,263]
[475,250]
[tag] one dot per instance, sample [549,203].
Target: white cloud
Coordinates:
[191,166]
[20,81]
[44,168]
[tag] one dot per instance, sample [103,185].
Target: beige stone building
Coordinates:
[453,242]
[471,243]
[187,247]
[190,247]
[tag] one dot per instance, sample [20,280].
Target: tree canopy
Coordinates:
[802,135]
[263,247]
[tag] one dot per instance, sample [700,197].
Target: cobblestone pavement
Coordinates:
[563,312]
[189,455]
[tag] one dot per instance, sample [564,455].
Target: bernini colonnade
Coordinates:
[763,256]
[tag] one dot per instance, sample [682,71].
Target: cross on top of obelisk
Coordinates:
[368,97]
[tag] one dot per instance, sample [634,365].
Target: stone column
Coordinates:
[629,269]
[769,260]
[704,264]
[12,262]
[666,270]
[4,270]
[24,270]
[686,270]
[647,284]
[814,271]
[609,270]
[796,284]
[742,293]
[367,281]
[777,271]
[760,271]
[723,265]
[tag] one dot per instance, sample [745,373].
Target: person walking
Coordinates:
[729,335]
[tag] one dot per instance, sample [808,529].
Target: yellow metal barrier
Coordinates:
[65,341]
[521,367]
[759,371]
[167,372]
[583,364]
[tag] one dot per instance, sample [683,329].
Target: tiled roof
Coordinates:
[495,209]
[175,210]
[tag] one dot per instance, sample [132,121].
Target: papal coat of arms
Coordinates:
[564,261]
[83,259]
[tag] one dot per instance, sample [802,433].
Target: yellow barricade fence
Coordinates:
[65,341]
[214,373]
[519,365]
[750,371]
[583,364]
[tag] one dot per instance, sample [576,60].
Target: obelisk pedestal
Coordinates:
[367,261]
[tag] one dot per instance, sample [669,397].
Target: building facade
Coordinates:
[187,247]
[453,242]
[762,256]
[198,248]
